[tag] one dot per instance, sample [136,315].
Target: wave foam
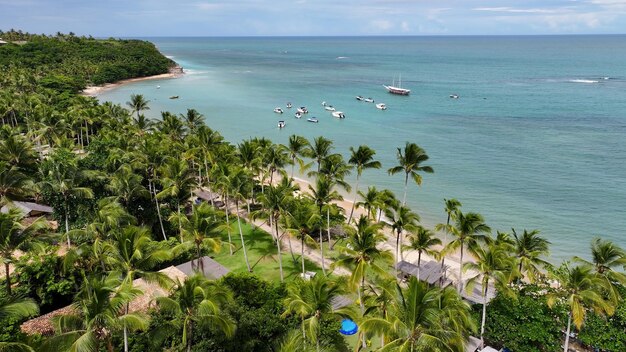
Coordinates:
[341,57]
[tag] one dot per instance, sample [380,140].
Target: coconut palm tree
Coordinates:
[468,229]
[311,300]
[581,291]
[98,312]
[410,162]
[137,103]
[422,240]
[193,119]
[275,157]
[370,201]
[127,185]
[178,182]
[240,186]
[198,300]
[296,149]
[361,158]
[401,218]
[14,236]
[131,253]
[300,220]
[14,185]
[319,150]
[362,256]
[201,231]
[492,265]
[17,309]
[63,179]
[529,247]
[322,195]
[18,152]
[606,259]
[423,318]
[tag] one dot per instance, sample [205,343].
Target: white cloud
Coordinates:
[516,10]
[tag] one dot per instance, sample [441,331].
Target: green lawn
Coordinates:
[262,254]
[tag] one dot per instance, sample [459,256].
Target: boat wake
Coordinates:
[587,81]
[341,57]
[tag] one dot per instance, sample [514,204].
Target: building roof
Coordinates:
[28,208]
[428,271]
[206,265]
[205,195]
[3,42]
[475,296]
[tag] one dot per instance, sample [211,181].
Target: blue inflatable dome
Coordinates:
[348,327]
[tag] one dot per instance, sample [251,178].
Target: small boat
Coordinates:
[381,106]
[329,108]
[454,96]
[368,100]
[313,119]
[298,115]
[302,110]
[158,87]
[281,124]
[359,98]
[289,105]
[338,114]
[323,103]
[174,97]
[397,90]
[278,110]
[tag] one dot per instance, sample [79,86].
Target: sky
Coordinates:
[145,18]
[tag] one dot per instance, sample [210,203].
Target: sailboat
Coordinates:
[397,90]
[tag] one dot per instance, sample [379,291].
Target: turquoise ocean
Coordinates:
[536,139]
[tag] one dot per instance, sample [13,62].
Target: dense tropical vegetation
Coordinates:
[124,192]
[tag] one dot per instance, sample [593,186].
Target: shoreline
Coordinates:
[94,91]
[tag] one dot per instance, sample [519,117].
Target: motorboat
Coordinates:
[174,97]
[302,110]
[323,103]
[158,87]
[381,106]
[338,114]
[329,108]
[368,100]
[278,110]
[359,98]
[298,115]
[289,105]
[454,96]
[313,119]
[281,124]
[397,90]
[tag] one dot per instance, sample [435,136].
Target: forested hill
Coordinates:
[65,62]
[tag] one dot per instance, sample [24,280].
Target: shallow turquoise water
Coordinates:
[536,139]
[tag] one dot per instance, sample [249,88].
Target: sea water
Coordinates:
[535,140]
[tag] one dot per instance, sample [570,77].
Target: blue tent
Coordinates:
[348,327]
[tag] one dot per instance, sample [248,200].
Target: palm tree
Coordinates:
[452,206]
[127,185]
[581,291]
[401,218]
[322,195]
[193,119]
[606,257]
[201,231]
[361,158]
[468,229]
[63,179]
[319,150]
[178,182]
[137,103]
[240,187]
[422,240]
[301,219]
[312,301]
[296,149]
[14,185]
[198,300]
[423,318]
[17,309]
[133,253]
[492,265]
[99,311]
[14,236]
[370,201]
[410,162]
[528,248]
[362,255]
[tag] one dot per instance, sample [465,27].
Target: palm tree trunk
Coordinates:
[419,260]
[280,257]
[243,243]
[360,290]
[67,227]
[356,194]
[189,337]
[569,325]
[461,270]
[158,207]
[302,254]
[293,257]
[397,251]
[180,224]
[328,224]
[230,240]
[482,323]
[8,278]
[126,331]
[322,251]
[406,183]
